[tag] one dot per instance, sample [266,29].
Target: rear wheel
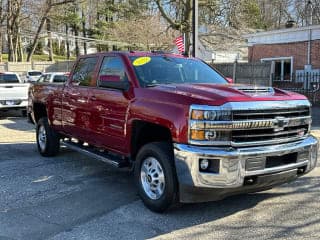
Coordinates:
[155,176]
[48,140]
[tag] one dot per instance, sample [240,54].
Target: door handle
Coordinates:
[93,98]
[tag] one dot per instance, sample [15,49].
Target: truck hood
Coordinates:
[217,94]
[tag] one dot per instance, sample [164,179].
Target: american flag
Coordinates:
[180,44]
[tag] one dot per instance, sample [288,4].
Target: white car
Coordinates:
[33,75]
[13,92]
[53,77]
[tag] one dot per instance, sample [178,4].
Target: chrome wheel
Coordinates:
[42,137]
[152,178]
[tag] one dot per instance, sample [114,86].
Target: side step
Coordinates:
[102,156]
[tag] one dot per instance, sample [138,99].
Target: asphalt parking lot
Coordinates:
[74,197]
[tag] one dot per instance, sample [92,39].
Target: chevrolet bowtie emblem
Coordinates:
[280,123]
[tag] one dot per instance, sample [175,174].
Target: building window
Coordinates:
[281,68]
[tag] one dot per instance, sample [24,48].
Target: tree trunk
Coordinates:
[67,42]
[9,32]
[48,23]
[84,30]
[76,34]
[1,49]
[36,37]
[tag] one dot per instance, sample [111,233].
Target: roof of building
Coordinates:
[286,35]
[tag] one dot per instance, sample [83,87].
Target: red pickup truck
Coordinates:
[187,134]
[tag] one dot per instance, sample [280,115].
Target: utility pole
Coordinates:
[195,28]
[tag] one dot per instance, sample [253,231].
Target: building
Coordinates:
[292,51]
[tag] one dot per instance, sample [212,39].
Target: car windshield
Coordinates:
[155,70]
[9,78]
[34,73]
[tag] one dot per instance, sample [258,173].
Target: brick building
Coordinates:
[291,50]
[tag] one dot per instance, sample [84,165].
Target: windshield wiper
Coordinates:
[152,85]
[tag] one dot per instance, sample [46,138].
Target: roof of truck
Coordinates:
[140,54]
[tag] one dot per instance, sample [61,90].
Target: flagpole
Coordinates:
[185,52]
[195,16]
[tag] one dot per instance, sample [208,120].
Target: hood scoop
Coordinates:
[255,90]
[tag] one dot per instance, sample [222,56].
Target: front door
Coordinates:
[109,108]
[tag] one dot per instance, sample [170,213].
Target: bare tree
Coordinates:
[2,19]
[178,14]
[13,30]
[49,4]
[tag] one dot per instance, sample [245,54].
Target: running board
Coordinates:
[102,156]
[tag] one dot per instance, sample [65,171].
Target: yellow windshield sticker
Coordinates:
[141,61]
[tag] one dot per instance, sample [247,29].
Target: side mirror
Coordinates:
[229,80]
[113,81]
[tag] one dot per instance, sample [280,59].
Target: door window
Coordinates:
[84,71]
[113,66]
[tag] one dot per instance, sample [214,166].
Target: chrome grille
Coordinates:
[271,113]
[299,119]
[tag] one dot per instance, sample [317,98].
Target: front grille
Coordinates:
[270,113]
[289,125]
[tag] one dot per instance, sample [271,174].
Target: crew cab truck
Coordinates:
[13,93]
[188,134]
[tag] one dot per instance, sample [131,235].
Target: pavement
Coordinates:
[74,197]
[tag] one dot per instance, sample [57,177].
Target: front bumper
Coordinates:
[235,168]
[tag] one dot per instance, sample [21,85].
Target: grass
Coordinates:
[40,58]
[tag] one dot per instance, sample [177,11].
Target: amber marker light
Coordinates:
[197,135]
[197,115]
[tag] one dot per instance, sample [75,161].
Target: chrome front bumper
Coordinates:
[232,170]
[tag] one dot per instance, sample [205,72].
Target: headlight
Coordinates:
[209,135]
[200,131]
[211,115]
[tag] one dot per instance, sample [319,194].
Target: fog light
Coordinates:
[204,164]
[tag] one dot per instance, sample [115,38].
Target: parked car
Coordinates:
[53,77]
[32,75]
[187,133]
[13,92]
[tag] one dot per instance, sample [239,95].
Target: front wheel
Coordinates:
[155,176]
[48,141]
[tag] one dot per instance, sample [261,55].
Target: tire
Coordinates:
[48,140]
[24,113]
[154,168]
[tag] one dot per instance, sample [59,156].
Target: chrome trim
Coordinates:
[277,169]
[256,105]
[248,124]
[232,162]
[246,144]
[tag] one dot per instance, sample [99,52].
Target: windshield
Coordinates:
[154,70]
[9,78]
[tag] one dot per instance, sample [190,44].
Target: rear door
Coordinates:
[109,107]
[76,108]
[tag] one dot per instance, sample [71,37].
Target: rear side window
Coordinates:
[60,78]
[84,71]
[34,73]
[113,66]
[9,78]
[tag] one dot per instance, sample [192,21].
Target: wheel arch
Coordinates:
[144,132]
[39,111]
